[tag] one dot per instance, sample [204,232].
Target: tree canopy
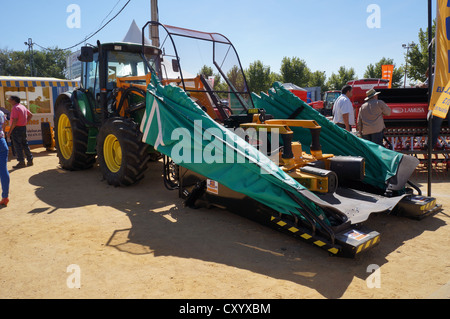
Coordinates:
[374,71]
[258,77]
[417,56]
[337,81]
[294,70]
[48,63]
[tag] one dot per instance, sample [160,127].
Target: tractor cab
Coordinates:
[111,67]
[100,120]
[328,101]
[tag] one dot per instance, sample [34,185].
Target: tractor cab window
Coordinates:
[122,64]
[92,77]
[330,99]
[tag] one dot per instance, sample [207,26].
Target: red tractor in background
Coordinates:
[407,126]
[325,106]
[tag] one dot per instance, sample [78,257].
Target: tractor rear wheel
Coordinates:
[71,138]
[122,155]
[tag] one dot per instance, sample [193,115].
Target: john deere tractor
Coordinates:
[101,118]
[100,121]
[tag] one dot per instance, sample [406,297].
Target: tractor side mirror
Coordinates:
[175,66]
[87,54]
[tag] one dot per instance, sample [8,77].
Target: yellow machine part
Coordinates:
[300,159]
[312,182]
[125,82]
[194,85]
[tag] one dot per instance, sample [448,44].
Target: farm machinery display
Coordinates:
[269,157]
[407,126]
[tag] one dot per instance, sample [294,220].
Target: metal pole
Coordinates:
[30,53]
[154,31]
[430,91]
[406,69]
[407,47]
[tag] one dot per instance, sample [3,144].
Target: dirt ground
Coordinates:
[62,228]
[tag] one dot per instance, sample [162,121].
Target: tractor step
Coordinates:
[92,141]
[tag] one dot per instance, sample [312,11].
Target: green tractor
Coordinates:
[102,118]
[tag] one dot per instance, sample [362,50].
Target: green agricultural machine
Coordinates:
[291,168]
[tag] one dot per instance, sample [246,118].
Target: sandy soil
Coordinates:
[140,242]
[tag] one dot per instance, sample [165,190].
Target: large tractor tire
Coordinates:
[122,156]
[71,138]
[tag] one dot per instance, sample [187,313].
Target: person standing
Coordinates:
[20,116]
[4,174]
[370,118]
[343,113]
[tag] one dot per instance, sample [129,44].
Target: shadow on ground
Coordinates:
[163,227]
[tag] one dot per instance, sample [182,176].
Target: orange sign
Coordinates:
[387,71]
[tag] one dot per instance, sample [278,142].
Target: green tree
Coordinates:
[14,63]
[48,63]
[337,81]
[51,63]
[258,77]
[373,71]
[236,78]
[318,78]
[417,56]
[275,77]
[207,71]
[294,70]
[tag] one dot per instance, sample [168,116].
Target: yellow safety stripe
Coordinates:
[368,244]
[304,235]
[428,206]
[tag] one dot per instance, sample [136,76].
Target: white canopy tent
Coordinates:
[134,35]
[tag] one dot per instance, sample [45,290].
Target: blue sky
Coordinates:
[326,34]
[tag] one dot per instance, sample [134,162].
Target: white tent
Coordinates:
[134,35]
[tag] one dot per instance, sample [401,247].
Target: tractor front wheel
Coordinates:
[122,156]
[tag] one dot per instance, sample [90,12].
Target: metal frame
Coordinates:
[214,41]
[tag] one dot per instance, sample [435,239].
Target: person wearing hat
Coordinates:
[370,122]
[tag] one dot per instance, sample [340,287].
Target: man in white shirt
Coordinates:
[343,113]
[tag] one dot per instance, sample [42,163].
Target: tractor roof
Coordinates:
[128,47]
